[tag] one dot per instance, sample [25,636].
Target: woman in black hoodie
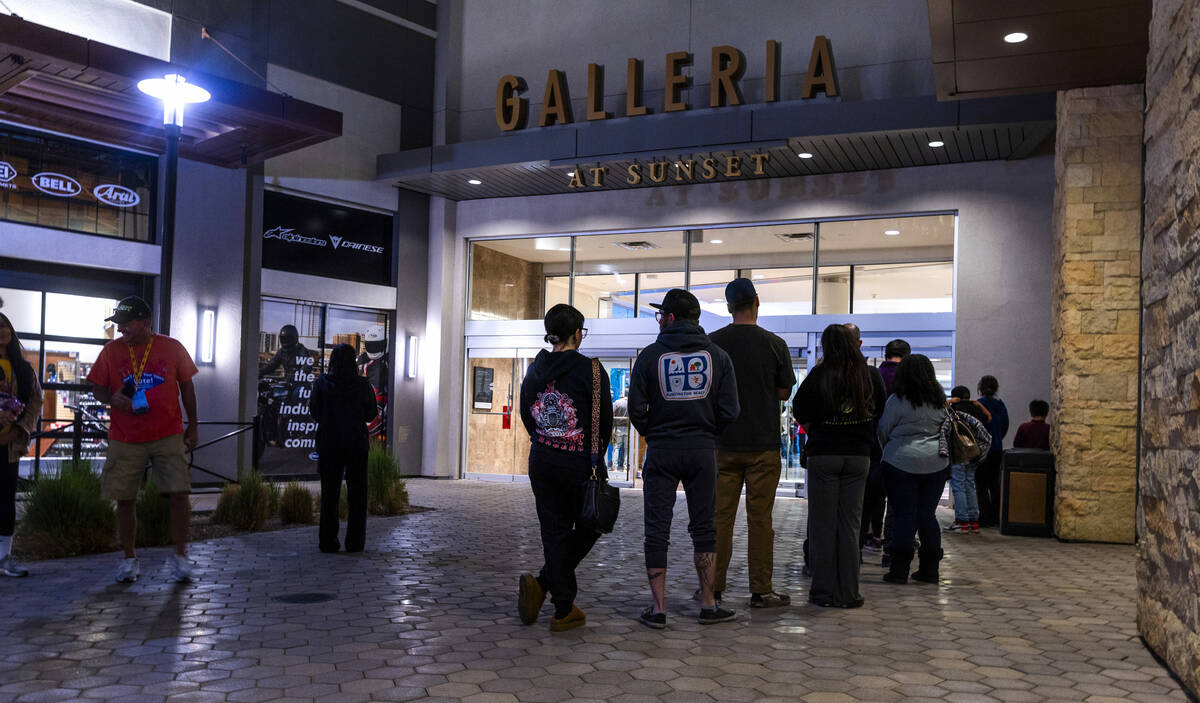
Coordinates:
[342,403]
[556,408]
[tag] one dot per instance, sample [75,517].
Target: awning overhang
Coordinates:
[841,136]
[60,82]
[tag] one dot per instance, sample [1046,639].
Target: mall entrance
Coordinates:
[893,277]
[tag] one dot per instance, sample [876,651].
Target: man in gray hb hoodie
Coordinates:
[682,395]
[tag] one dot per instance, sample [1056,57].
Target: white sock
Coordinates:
[5,546]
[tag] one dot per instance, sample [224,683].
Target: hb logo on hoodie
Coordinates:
[685,375]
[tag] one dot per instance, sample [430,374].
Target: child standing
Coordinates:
[1034,434]
[962,476]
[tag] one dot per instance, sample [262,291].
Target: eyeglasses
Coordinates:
[658,316]
[584,331]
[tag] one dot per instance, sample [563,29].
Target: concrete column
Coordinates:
[1168,567]
[1094,355]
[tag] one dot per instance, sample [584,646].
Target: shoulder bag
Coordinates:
[965,447]
[600,501]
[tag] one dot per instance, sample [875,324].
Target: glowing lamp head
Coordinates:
[175,92]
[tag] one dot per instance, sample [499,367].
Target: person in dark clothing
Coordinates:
[837,403]
[1034,434]
[682,396]
[748,450]
[342,404]
[290,356]
[962,476]
[915,471]
[876,514]
[987,476]
[556,409]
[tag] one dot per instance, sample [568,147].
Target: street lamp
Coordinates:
[175,93]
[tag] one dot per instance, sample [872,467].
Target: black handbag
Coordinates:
[600,501]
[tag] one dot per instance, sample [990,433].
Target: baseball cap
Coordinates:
[131,308]
[740,291]
[679,303]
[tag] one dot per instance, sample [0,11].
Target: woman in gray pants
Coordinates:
[837,404]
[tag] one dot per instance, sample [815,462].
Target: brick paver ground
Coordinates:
[428,612]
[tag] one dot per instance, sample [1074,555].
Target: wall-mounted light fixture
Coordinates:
[412,356]
[206,336]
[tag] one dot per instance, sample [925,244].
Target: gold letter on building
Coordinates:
[820,71]
[759,159]
[771,84]
[728,64]
[635,174]
[676,81]
[595,97]
[633,89]
[510,109]
[556,105]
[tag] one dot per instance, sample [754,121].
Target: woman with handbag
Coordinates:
[20,408]
[566,406]
[914,469]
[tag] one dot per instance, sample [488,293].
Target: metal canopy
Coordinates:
[1071,44]
[60,82]
[842,137]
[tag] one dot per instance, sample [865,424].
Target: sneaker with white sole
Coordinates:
[712,616]
[128,571]
[181,569]
[8,567]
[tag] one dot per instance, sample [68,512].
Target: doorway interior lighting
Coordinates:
[475,182]
[716,241]
[206,336]
[891,232]
[804,155]
[937,143]
[1015,37]
[175,93]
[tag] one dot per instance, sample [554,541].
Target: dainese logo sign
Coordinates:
[7,174]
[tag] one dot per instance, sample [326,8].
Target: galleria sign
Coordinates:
[728,65]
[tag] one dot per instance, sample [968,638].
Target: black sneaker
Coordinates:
[651,619]
[889,577]
[924,577]
[770,599]
[712,616]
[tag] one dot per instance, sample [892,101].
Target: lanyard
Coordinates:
[139,368]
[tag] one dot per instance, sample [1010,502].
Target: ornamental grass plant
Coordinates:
[296,505]
[153,516]
[65,515]
[386,492]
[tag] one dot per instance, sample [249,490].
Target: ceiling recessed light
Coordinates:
[716,241]
[570,174]
[1016,37]
[891,232]
[509,285]
[937,143]
[475,182]
[804,155]
[759,276]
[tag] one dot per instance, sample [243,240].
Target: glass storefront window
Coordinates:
[782,291]
[887,240]
[23,308]
[709,289]
[610,267]
[833,290]
[558,290]
[904,288]
[79,316]
[509,277]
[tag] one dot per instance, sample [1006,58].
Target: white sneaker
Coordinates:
[8,567]
[181,569]
[128,571]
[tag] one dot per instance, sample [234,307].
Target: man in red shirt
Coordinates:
[142,377]
[1034,434]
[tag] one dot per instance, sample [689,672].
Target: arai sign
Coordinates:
[112,194]
[728,65]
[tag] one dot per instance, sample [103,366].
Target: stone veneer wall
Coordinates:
[1168,569]
[1094,355]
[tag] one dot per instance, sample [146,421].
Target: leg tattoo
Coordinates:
[706,571]
[658,588]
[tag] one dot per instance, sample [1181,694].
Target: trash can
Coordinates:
[1027,493]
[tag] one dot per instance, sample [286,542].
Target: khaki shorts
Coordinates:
[121,476]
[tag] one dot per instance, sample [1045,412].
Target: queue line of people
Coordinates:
[707,406]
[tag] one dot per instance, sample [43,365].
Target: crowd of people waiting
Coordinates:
[879,451]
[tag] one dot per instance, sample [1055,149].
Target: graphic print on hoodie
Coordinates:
[557,421]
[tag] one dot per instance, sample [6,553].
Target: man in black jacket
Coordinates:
[682,395]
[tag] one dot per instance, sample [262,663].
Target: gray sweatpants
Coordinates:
[835,498]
